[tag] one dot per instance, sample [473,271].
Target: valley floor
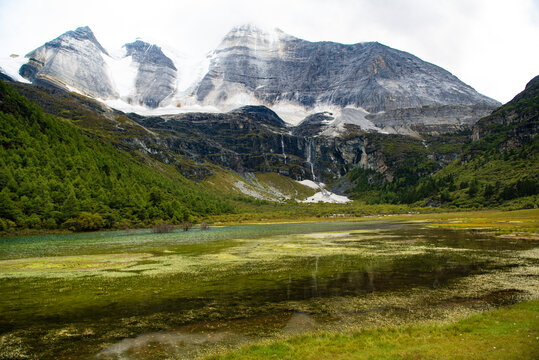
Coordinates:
[400,286]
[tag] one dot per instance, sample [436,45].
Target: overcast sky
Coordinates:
[492,45]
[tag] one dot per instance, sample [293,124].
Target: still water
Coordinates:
[139,295]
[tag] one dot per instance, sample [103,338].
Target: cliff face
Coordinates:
[156,74]
[248,139]
[275,67]
[76,61]
[255,139]
[72,61]
[430,119]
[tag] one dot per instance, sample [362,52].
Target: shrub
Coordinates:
[186,225]
[204,226]
[163,228]
[85,222]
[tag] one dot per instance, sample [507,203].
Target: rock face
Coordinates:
[74,61]
[337,123]
[430,119]
[361,87]
[254,138]
[516,123]
[250,139]
[156,75]
[274,67]
[314,124]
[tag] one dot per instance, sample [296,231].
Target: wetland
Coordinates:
[194,294]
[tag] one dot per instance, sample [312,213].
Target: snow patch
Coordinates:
[11,65]
[237,96]
[327,197]
[291,113]
[349,116]
[123,73]
[125,107]
[323,195]
[311,184]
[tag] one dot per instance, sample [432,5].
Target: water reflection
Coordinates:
[188,342]
[165,344]
[259,285]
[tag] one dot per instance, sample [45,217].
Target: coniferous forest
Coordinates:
[54,175]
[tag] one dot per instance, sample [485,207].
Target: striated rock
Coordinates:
[313,124]
[261,114]
[73,61]
[274,67]
[254,139]
[156,75]
[4,76]
[364,87]
[430,119]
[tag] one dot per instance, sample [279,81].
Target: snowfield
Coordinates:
[327,197]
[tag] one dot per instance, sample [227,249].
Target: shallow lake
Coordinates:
[139,295]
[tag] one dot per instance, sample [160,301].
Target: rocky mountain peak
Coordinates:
[369,85]
[252,36]
[156,75]
[80,34]
[261,114]
[75,60]
[143,52]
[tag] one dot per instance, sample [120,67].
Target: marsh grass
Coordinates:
[506,333]
[243,284]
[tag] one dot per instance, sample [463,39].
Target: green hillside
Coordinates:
[500,167]
[55,175]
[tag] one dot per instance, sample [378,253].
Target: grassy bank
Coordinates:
[505,333]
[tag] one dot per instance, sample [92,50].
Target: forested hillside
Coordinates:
[55,175]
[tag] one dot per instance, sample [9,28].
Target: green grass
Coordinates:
[505,333]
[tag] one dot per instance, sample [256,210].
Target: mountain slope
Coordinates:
[53,174]
[500,167]
[502,164]
[369,85]
[156,74]
[73,61]
[274,67]
[141,74]
[251,139]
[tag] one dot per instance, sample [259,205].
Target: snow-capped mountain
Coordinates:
[140,73]
[274,67]
[75,61]
[156,75]
[364,84]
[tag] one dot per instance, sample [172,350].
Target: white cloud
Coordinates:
[491,45]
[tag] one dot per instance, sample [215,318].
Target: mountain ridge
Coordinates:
[294,77]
